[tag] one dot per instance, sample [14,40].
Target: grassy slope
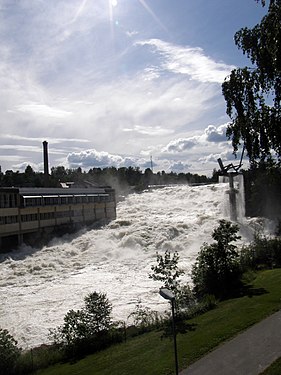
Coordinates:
[151,355]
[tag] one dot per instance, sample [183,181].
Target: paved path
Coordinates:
[249,353]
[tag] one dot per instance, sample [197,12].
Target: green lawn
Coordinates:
[151,354]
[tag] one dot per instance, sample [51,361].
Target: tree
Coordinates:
[94,318]
[167,271]
[253,93]
[29,171]
[9,352]
[97,312]
[216,270]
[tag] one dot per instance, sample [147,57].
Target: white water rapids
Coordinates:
[38,286]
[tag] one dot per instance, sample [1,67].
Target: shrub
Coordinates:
[144,318]
[38,358]
[261,253]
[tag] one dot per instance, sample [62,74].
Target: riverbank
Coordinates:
[153,355]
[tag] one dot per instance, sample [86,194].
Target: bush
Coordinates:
[38,358]
[207,303]
[261,253]
[9,352]
[145,319]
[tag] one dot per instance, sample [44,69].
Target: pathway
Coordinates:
[249,353]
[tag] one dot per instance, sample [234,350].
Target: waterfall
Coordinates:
[240,201]
[236,194]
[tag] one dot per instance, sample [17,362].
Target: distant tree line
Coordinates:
[262,183]
[122,179]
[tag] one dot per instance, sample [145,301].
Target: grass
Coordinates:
[151,354]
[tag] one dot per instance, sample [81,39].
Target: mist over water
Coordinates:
[38,286]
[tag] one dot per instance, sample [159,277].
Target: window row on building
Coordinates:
[44,216]
[8,220]
[8,200]
[57,200]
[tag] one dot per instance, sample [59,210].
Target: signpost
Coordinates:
[167,294]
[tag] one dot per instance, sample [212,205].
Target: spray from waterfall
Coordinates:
[235,209]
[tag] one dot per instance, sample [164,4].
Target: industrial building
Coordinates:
[29,214]
[39,211]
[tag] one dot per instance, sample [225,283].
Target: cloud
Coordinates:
[95,159]
[225,154]
[29,148]
[216,134]
[39,139]
[181,144]
[188,61]
[22,166]
[43,110]
[179,167]
[211,134]
[149,130]
[131,33]
[197,149]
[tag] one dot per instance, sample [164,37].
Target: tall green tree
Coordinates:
[253,93]
[216,270]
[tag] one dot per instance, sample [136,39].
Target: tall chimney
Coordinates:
[46,163]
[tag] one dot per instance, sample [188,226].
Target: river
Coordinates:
[38,286]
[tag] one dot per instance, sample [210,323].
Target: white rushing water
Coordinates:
[38,286]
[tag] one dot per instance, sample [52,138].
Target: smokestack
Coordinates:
[46,163]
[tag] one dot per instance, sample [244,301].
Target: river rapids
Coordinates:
[38,286]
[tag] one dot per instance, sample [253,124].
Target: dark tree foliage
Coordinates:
[262,191]
[123,179]
[82,326]
[9,352]
[216,270]
[261,253]
[253,93]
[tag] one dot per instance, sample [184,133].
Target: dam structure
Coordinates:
[32,214]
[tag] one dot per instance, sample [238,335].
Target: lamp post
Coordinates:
[167,294]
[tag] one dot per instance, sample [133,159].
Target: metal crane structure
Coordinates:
[231,171]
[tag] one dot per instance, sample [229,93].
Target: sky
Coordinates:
[118,82]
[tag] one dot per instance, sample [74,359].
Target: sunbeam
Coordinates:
[111,4]
[150,11]
[79,10]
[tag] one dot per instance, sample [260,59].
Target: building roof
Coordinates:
[30,191]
